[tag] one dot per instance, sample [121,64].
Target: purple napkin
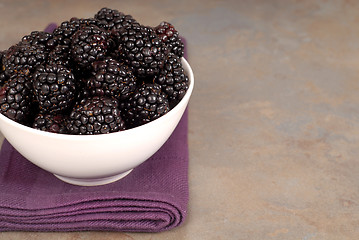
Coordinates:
[152,198]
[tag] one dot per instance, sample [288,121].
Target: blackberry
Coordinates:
[96,115]
[89,44]
[16,99]
[107,17]
[40,38]
[169,35]
[3,77]
[112,78]
[140,48]
[123,21]
[64,33]
[54,88]
[173,80]
[23,58]
[55,123]
[147,104]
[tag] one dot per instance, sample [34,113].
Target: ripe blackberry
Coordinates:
[107,17]
[55,123]
[16,99]
[120,22]
[140,48]
[54,88]
[89,44]
[173,80]
[40,38]
[3,77]
[96,115]
[147,104]
[169,35]
[123,21]
[23,58]
[64,33]
[111,78]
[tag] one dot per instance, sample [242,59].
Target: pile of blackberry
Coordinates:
[93,75]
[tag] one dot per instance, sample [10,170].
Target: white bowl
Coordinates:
[97,159]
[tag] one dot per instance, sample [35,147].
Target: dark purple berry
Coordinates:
[173,80]
[145,105]
[111,78]
[54,88]
[96,115]
[23,58]
[140,48]
[55,123]
[89,44]
[16,99]
[169,35]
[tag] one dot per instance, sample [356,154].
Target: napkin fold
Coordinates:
[152,198]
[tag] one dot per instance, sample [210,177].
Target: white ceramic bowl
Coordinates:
[98,159]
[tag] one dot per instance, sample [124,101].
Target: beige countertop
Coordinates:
[274,117]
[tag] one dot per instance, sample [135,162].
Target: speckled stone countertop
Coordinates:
[274,117]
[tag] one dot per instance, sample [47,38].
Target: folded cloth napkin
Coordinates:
[152,198]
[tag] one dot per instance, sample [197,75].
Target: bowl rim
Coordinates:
[183,101]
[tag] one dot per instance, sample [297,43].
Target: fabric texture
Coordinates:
[152,198]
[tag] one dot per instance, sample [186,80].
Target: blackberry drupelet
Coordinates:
[141,49]
[16,99]
[111,78]
[54,88]
[23,58]
[55,123]
[173,80]
[147,104]
[96,115]
[169,35]
[89,44]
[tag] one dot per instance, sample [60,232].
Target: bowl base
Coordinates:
[93,181]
